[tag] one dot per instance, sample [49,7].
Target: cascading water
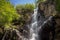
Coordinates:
[37,20]
[33,29]
[36,25]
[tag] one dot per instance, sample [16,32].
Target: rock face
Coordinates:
[47,8]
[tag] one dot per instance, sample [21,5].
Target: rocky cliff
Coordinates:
[48,8]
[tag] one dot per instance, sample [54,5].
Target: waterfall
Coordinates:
[37,20]
[34,24]
[37,24]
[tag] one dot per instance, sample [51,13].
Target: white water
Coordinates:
[45,22]
[33,29]
[34,25]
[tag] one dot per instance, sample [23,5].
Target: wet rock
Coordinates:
[47,9]
[46,29]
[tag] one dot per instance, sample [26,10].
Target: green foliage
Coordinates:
[25,8]
[37,1]
[58,5]
[29,7]
[7,13]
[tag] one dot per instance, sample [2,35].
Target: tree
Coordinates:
[25,8]
[37,1]
[58,5]
[7,13]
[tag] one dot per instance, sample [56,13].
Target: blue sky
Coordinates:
[15,2]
